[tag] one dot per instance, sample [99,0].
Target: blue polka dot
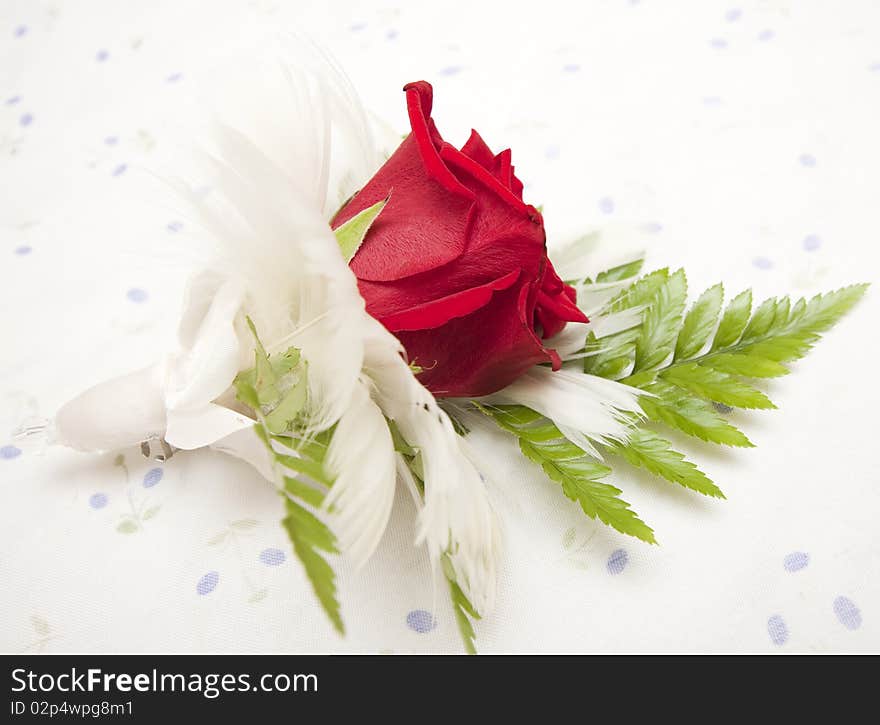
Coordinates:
[23,250]
[762,263]
[571,68]
[847,613]
[11,101]
[26,119]
[777,630]
[732,15]
[874,68]
[98,500]
[606,205]
[420,620]
[812,242]
[357,27]
[152,477]
[119,170]
[796,561]
[174,226]
[174,77]
[111,140]
[766,35]
[391,34]
[20,31]
[136,294]
[653,228]
[208,583]
[101,56]
[552,151]
[807,160]
[718,43]
[450,70]
[9,452]
[272,557]
[617,561]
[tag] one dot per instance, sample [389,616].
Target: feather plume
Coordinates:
[456,517]
[586,408]
[363,461]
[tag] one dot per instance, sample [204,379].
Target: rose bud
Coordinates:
[456,263]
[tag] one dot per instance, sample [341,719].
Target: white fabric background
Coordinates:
[736,138]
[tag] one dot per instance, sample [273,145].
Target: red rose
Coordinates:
[456,264]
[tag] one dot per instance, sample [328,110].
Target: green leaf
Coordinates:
[734,320]
[302,490]
[461,606]
[311,467]
[278,387]
[660,323]
[621,272]
[679,409]
[576,472]
[351,235]
[640,293]
[615,368]
[283,416]
[267,385]
[750,366]
[265,378]
[699,323]
[761,320]
[616,353]
[717,386]
[645,449]
[309,537]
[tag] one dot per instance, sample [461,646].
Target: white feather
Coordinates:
[586,408]
[277,245]
[457,517]
[363,461]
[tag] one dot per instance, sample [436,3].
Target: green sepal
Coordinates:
[351,235]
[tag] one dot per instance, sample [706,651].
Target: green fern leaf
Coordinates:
[679,409]
[276,390]
[660,323]
[639,293]
[749,366]
[715,385]
[309,536]
[645,449]
[734,320]
[621,272]
[576,472]
[461,606]
[699,323]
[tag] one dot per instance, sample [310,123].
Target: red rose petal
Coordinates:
[479,151]
[458,362]
[438,312]
[419,100]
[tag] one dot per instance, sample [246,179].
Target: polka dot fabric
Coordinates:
[736,140]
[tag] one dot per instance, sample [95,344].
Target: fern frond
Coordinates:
[645,449]
[565,463]
[275,388]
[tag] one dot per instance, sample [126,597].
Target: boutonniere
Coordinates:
[362,314]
